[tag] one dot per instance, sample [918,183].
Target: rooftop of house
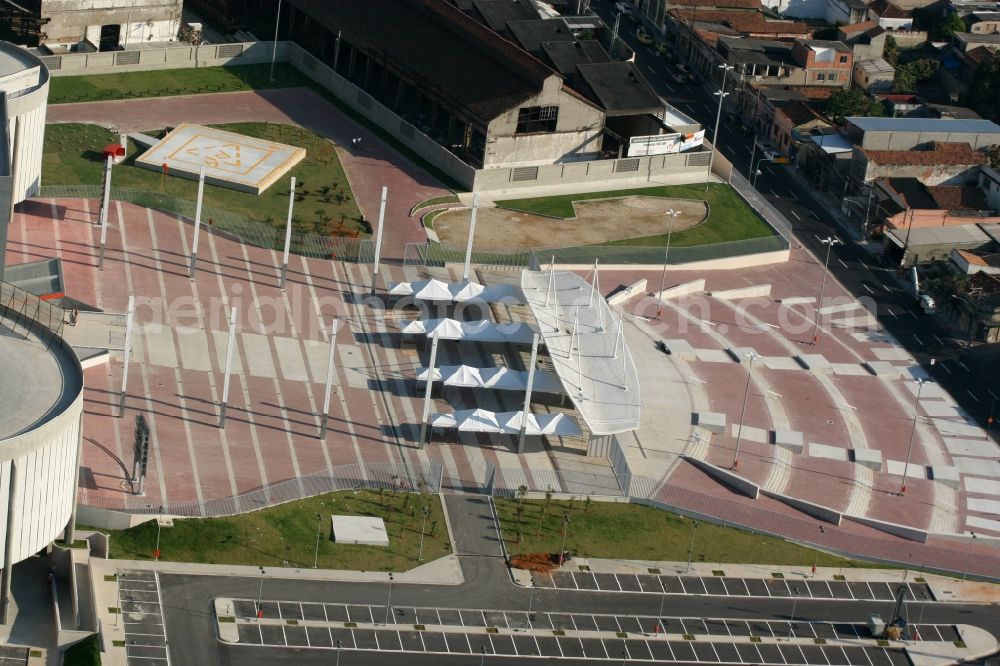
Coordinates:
[979,17]
[866,124]
[968,39]
[818,44]
[919,196]
[887,10]
[800,113]
[435,43]
[749,23]
[936,153]
[974,258]
[753,5]
[531,34]
[951,111]
[565,56]
[875,66]
[619,88]
[496,13]
[856,28]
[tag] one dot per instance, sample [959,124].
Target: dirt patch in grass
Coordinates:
[596,222]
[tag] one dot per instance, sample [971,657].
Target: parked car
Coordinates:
[684,74]
[623,7]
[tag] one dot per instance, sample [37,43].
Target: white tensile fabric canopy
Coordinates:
[457,292]
[471,331]
[499,379]
[508,423]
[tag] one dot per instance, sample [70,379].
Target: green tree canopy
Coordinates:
[984,91]
[910,74]
[853,102]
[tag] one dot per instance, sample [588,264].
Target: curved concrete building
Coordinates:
[41,408]
[24,82]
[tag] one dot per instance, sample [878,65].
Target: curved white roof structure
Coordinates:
[586,342]
[498,379]
[471,331]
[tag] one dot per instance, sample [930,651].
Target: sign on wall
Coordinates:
[18,81]
[655,144]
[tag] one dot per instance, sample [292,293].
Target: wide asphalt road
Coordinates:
[187,604]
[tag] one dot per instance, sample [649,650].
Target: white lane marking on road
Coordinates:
[889,310]
[651,69]
[796,216]
[773,193]
[943,365]
[841,262]
[870,290]
[885,287]
[994,395]
[940,342]
[972,394]
[861,261]
[913,314]
[730,149]
[921,343]
[964,367]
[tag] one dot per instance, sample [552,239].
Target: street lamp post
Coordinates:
[791,623]
[338,652]
[718,116]
[694,526]
[913,431]
[274,47]
[829,241]
[663,600]
[388,599]
[423,526]
[666,255]
[260,594]
[562,549]
[531,602]
[965,570]
[319,535]
[746,395]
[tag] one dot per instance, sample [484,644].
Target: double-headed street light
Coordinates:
[666,254]
[829,241]
[718,116]
[913,431]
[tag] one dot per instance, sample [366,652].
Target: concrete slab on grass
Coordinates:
[947,475]
[788,439]
[361,530]
[871,458]
[714,422]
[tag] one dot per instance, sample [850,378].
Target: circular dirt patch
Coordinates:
[597,221]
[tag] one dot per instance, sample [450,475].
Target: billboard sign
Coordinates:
[656,144]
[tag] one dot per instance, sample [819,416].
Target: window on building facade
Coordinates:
[821,77]
[533,119]
[843,60]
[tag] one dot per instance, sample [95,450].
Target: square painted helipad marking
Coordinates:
[230,160]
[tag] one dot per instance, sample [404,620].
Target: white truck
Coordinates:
[924,300]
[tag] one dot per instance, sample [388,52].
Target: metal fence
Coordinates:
[243,229]
[369,476]
[436,254]
[19,309]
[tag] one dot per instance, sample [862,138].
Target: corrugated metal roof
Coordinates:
[923,125]
[952,235]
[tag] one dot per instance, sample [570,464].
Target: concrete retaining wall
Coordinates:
[911,533]
[109,519]
[181,56]
[734,481]
[723,264]
[824,513]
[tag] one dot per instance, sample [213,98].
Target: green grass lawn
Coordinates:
[85,653]
[636,532]
[729,218]
[163,83]
[285,535]
[324,202]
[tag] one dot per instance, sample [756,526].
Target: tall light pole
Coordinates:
[913,431]
[829,241]
[666,255]
[718,115]
[965,570]
[562,549]
[746,395]
[274,47]
[388,599]
[319,535]
[694,526]
[423,526]
[791,623]
[531,602]
[260,595]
